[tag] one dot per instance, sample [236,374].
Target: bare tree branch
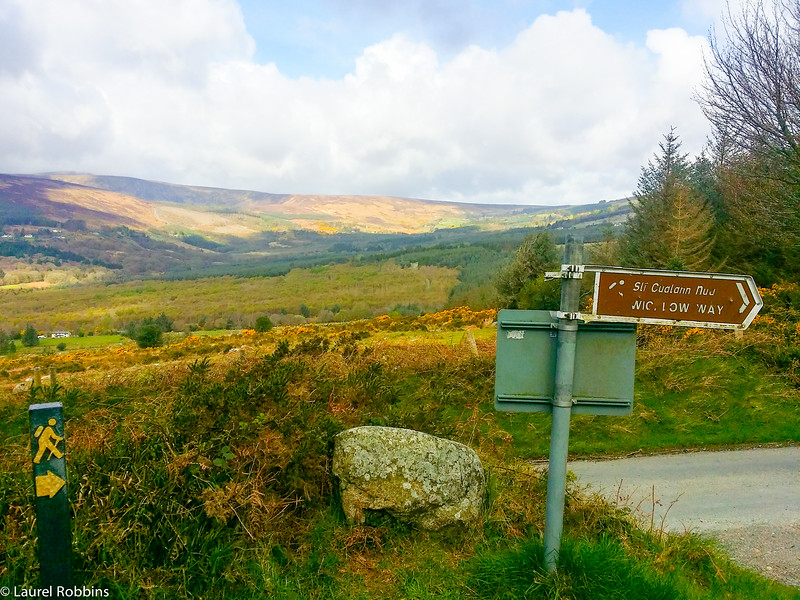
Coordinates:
[752,87]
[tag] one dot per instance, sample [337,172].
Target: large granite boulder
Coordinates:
[427,481]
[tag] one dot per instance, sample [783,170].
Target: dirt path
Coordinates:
[748,500]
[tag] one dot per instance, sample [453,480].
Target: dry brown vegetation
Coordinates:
[65,196]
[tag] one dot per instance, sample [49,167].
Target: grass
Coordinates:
[605,567]
[700,392]
[80,343]
[201,469]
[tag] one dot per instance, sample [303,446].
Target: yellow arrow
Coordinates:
[48,484]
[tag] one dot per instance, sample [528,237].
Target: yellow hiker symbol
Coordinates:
[48,440]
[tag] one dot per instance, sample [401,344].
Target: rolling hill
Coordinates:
[324,213]
[67,228]
[106,201]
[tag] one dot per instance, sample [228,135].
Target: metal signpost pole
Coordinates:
[571,273]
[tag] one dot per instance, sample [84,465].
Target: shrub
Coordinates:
[263,323]
[7,345]
[149,336]
[30,337]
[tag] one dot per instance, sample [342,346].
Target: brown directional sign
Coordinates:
[715,300]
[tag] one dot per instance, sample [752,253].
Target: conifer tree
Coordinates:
[672,225]
[30,337]
[689,233]
[521,284]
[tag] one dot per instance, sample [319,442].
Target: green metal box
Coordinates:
[605,355]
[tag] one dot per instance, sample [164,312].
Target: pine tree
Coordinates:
[521,284]
[30,337]
[672,225]
[689,234]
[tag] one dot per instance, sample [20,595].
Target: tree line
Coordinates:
[734,207]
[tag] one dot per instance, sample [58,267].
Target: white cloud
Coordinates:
[169,91]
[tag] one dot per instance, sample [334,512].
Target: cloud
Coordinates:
[170,91]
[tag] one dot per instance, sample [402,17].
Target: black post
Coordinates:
[48,451]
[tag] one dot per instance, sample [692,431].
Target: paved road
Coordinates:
[749,500]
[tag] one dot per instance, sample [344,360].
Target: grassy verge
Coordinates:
[703,391]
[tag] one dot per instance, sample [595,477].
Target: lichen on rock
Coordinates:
[427,481]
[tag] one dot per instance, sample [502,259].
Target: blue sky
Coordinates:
[511,101]
[323,39]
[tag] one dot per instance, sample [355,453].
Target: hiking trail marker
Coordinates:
[565,361]
[50,484]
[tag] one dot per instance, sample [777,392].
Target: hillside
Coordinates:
[61,229]
[32,200]
[243,212]
[202,468]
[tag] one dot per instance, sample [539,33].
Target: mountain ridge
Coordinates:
[66,232]
[218,212]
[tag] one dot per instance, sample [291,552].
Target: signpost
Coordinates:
[674,298]
[564,362]
[562,401]
[50,483]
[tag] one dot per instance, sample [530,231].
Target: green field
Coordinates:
[80,342]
